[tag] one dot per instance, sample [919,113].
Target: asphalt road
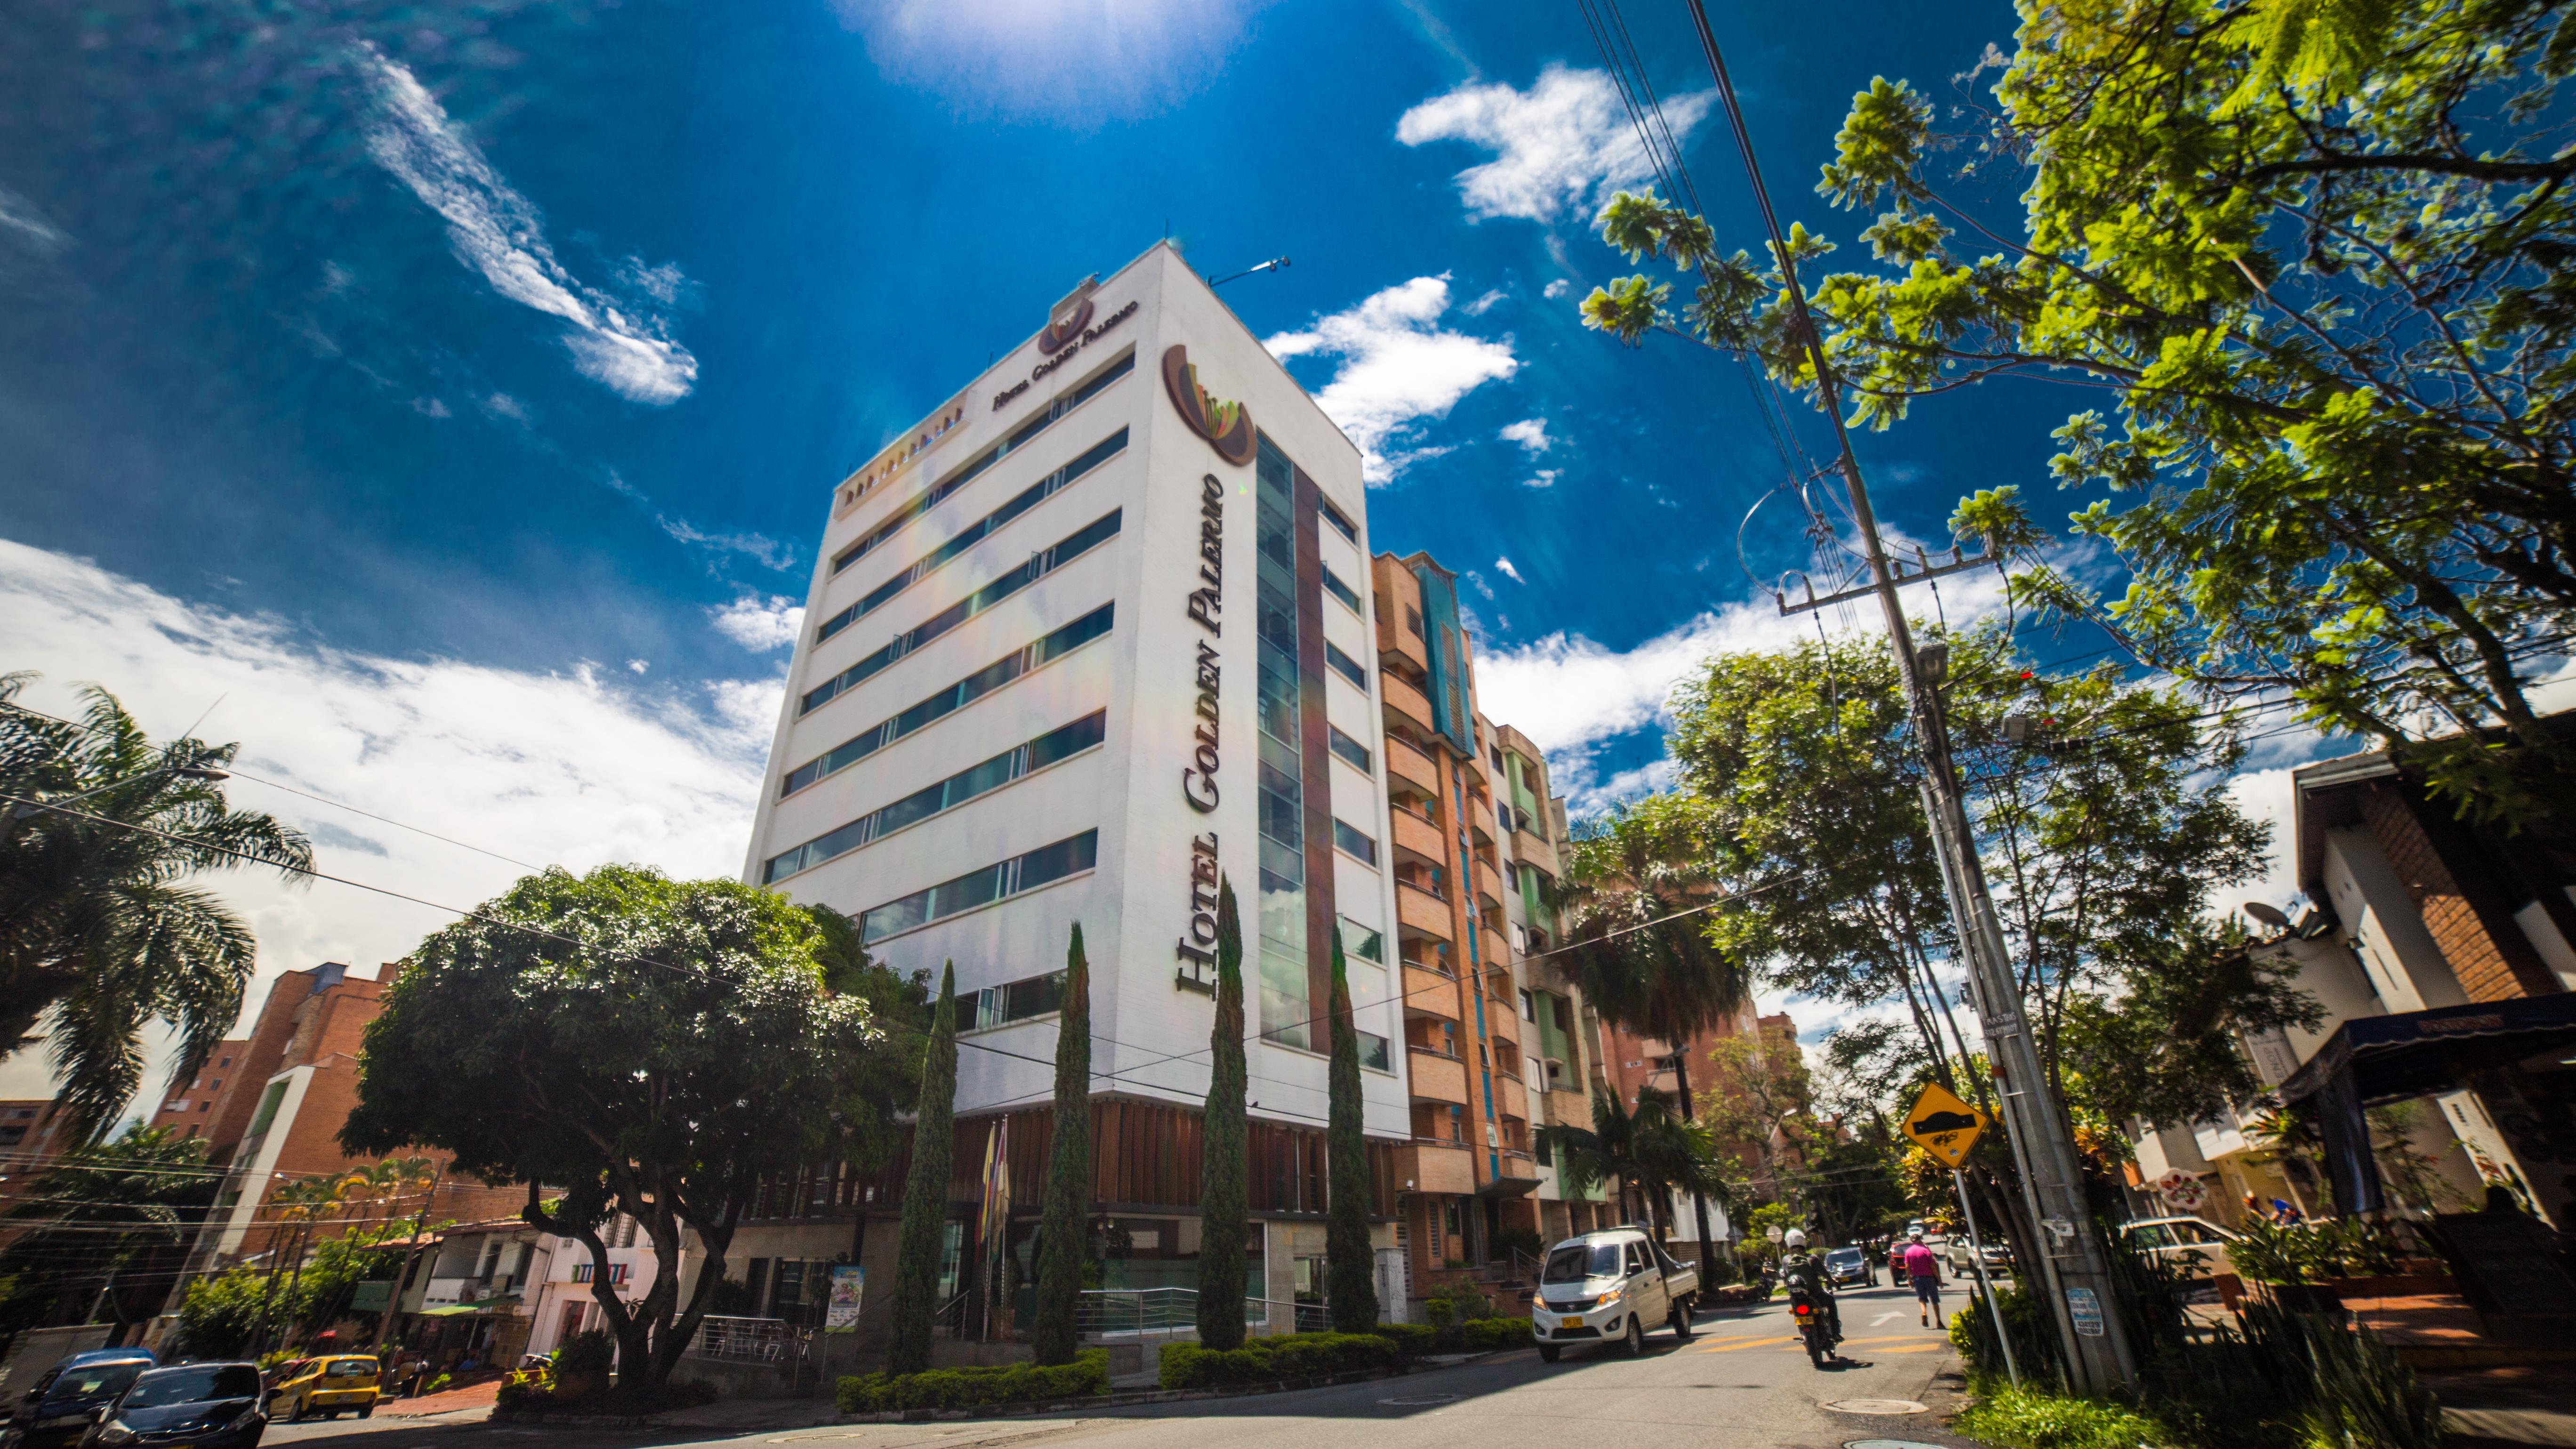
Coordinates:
[1743,1381]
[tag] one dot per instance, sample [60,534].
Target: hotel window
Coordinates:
[1345,666]
[948,794]
[1354,842]
[1334,586]
[975,686]
[1350,749]
[1373,1051]
[1279,769]
[1362,943]
[1037,566]
[1016,876]
[975,533]
[939,493]
[1015,1001]
[1334,517]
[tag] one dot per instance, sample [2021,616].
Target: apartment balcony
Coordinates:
[1430,993]
[1433,1166]
[1510,1098]
[1419,910]
[1412,767]
[1405,702]
[1418,835]
[1489,885]
[1435,1076]
[1568,1109]
[1536,849]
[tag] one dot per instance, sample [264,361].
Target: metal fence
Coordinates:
[1142,1313]
[749,1340]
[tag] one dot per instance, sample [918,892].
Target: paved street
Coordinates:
[1743,1381]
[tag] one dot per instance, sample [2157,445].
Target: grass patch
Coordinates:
[2017,1419]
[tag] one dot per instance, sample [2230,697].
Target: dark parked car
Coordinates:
[1849,1265]
[71,1396]
[203,1405]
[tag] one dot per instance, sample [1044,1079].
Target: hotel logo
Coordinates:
[1227,425]
[1065,329]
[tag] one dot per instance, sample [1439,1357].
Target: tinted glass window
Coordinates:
[192,1385]
[95,1378]
[1577,1261]
[346,1366]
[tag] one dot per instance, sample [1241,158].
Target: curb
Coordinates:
[1012,1411]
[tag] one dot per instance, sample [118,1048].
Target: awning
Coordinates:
[459,1310]
[2375,1059]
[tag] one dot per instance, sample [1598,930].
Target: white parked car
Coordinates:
[1606,1287]
[2196,1245]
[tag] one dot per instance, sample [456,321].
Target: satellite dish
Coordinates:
[2267,914]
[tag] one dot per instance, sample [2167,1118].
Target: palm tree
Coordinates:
[97,834]
[1643,964]
[1653,1150]
[94,1212]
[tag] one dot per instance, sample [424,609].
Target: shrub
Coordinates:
[968,1388]
[1490,1333]
[586,1353]
[436,1384]
[2022,1420]
[1411,1340]
[1269,1360]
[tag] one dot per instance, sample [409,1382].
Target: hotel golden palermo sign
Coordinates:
[1226,425]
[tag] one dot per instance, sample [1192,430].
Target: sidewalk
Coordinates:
[472,1396]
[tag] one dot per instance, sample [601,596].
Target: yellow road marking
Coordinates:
[1733,1344]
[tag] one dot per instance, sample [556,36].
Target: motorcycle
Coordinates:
[1813,1326]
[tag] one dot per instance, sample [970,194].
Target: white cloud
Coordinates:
[1505,564]
[1543,478]
[1399,366]
[639,666]
[1483,304]
[20,219]
[1562,146]
[758,624]
[624,345]
[1556,289]
[1530,433]
[576,768]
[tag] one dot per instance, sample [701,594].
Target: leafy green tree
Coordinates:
[925,1189]
[1064,1221]
[1350,1263]
[1642,960]
[223,1316]
[882,1085]
[1224,1223]
[2162,1040]
[100,1229]
[2316,255]
[338,1265]
[100,935]
[1760,1095]
[651,1047]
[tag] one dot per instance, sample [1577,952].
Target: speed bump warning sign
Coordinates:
[1943,1125]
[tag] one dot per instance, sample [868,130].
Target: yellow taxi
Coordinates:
[325,1386]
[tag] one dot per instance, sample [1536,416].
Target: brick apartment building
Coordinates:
[189,1110]
[1634,1062]
[273,1116]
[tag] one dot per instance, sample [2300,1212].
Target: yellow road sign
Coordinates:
[1944,1126]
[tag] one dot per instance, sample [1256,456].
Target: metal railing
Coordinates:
[951,1315]
[1143,1313]
[748,1340]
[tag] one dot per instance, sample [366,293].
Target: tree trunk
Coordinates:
[1064,1226]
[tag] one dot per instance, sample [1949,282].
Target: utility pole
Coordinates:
[2070,1254]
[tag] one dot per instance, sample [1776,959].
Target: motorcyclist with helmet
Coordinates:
[1803,1271]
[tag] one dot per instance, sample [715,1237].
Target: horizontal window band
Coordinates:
[984,681]
[975,533]
[1005,768]
[1038,565]
[939,492]
[1020,874]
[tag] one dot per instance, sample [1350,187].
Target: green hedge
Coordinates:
[1268,1360]
[1487,1333]
[1411,1340]
[968,1388]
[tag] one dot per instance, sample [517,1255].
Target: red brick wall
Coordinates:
[2466,917]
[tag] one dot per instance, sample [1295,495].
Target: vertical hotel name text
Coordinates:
[1197,950]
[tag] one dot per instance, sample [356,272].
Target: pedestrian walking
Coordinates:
[1924,1272]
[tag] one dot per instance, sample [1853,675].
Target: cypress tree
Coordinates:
[925,1189]
[1350,1264]
[1064,1227]
[1223,1228]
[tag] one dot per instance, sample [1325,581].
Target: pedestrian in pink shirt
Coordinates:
[1924,1272]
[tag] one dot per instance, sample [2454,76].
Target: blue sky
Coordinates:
[447,396]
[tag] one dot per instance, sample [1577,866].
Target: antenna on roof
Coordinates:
[1274,264]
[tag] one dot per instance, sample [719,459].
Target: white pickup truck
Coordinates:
[1606,1287]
